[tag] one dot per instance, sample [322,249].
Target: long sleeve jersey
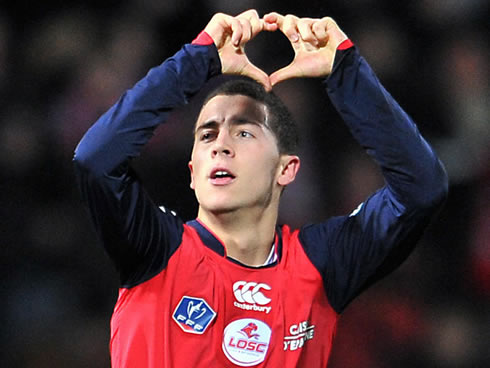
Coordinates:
[182,301]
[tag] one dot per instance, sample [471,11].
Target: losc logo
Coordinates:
[246,341]
[193,315]
[249,296]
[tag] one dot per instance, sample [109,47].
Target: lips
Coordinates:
[221,176]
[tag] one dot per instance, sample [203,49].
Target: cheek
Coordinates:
[264,170]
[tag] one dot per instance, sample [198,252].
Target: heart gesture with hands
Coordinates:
[314,42]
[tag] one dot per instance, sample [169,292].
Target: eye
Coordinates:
[245,134]
[207,136]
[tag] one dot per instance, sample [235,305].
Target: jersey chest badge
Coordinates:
[193,315]
[246,341]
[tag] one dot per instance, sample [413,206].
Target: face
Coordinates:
[235,161]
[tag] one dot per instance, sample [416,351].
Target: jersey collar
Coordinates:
[212,241]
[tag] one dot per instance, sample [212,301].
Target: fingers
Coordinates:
[320,31]
[251,26]
[245,33]
[238,30]
[273,19]
[304,26]
[245,26]
[250,20]
[308,30]
[286,24]
[335,35]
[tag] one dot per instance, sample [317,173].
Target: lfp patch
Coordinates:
[193,315]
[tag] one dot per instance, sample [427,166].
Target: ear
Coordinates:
[289,167]
[192,185]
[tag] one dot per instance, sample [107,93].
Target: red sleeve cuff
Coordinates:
[345,45]
[203,39]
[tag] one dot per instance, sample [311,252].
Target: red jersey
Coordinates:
[204,310]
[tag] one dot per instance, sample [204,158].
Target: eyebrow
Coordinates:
[212,124]
[235,121]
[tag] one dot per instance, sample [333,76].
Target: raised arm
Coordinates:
[351,252]
[136,234]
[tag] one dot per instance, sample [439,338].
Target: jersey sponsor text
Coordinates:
[299,334]
[249,296]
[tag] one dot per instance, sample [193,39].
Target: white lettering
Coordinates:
[300,328]
[300,333]
[253,307]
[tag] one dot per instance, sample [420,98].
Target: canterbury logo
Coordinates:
[249,292]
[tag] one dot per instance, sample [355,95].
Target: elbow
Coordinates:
[87,158]
[83,160]
[435,188]
[90,171]
[81,166]
[440,185]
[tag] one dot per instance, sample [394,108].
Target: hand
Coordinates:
[314,41]
[230,35]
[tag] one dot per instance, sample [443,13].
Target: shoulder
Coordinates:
[313,240]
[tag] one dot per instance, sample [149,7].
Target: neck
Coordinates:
[246,235]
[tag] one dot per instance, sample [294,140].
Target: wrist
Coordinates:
[346,44]
[203,39]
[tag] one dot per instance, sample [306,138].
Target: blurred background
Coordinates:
[63,63]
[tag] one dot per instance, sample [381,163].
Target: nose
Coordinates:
[223,145]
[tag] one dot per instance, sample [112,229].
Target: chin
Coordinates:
[220,208]
[223,205]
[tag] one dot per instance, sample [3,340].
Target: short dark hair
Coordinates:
[280,121]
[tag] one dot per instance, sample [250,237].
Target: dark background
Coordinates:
[62,64]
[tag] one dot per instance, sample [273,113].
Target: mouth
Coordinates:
[220,176]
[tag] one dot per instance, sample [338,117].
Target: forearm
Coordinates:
[414,175]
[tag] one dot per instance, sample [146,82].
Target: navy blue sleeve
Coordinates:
[137,235]
[351,252]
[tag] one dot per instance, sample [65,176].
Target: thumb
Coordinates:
[288,72]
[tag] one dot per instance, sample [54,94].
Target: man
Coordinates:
[233,288]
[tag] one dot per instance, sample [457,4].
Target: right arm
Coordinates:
[139,237]
[133,229]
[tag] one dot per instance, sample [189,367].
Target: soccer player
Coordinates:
[233,288]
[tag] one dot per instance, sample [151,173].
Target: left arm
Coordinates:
[351,252]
